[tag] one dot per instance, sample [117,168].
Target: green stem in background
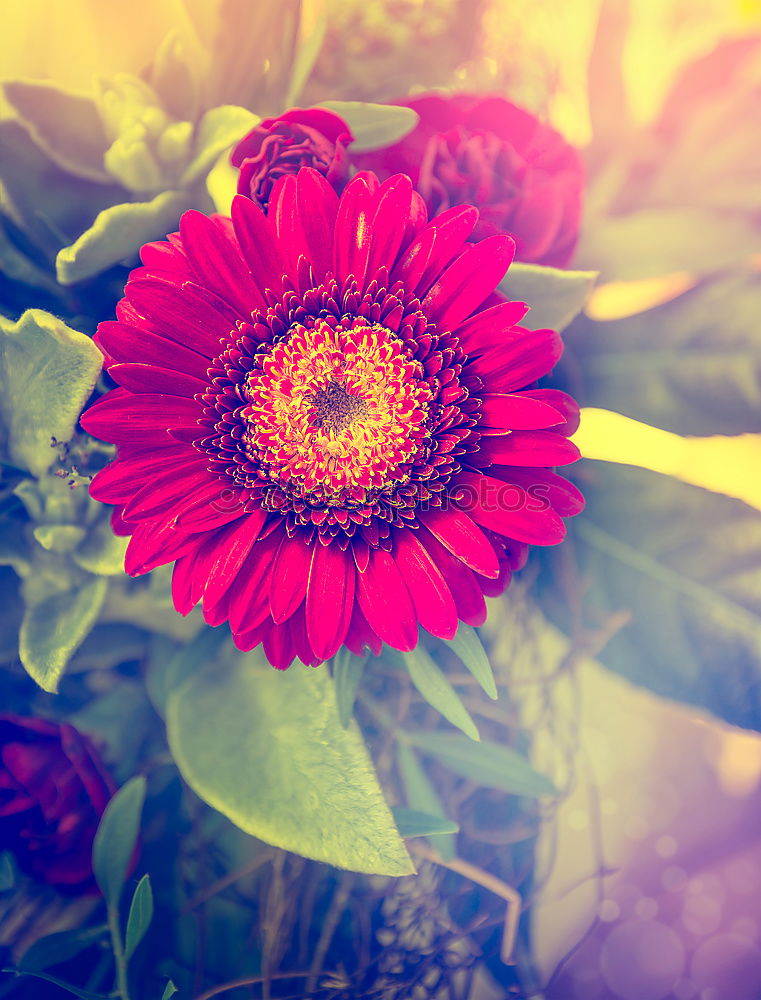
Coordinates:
[122,980]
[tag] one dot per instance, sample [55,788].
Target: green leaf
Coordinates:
[467,646]
[169,991]
[412,823]
[217,131]
[59,537]
[7,871]
[652,242]
[267,750]
[347,675]
[116,838]
[74,990]
[102,552]
[53,949]
[683,562]
[555,297]
[374,125]
[140,916]
[437,691]
[117,234]
[423,797]
[64,124]
[47,372]
[54,627]
[692,366]
[486,763]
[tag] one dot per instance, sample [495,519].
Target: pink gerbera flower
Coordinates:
[327,421]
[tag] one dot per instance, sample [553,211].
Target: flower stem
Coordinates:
[122,981]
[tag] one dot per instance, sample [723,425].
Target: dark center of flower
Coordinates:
[334,409]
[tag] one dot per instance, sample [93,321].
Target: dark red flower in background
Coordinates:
[301,137]
[321,421]
[522,175]
[53,791]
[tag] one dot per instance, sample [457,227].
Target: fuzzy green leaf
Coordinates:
[555,297]
[169,991]
[412,823]
[347,675]
[467,646]
[140,916]
[117,234]
[64,124]
[53,949]
[267,750]
[486,763]
[47,372]
[116,838]
[374,125]
[54,627]
[437,691]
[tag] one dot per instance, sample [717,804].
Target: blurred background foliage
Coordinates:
[659,581]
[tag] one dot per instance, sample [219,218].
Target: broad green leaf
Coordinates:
[347,675]
[64,124]
[116,839]
[47,372]
[650,242]
[467,646]
[140,916]
[374,125]
[692,366]
[412,823]
[62,984]
[217,131]
[267,749]
[423,797]
[54,627]
[169,991]
[683,562]
[437,691]
[53,949]
[486,763]
[555,297]
[117,234]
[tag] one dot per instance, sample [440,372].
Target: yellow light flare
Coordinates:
[728,465]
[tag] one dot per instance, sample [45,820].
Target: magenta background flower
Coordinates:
[320,421]
[53,791]
[523,177]
[301,137]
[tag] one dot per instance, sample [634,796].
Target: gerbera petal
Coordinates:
[464,539]
[434,606]
[251,596]
[217,262]
[289,577]
[464,586]
[360,638]
[353,233]
[330,599]
[520,361]
[179,314]
[317,208]
[149,378]
[540,448]
[236,541]
[506,510]
[514,411]
[542,487]
[279,647]
[122,343]
[124,417]
[468,281]
[386,603]
[489,328]
[155,544]
[389,224]
[452,229]
[261,249]
[561,402]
